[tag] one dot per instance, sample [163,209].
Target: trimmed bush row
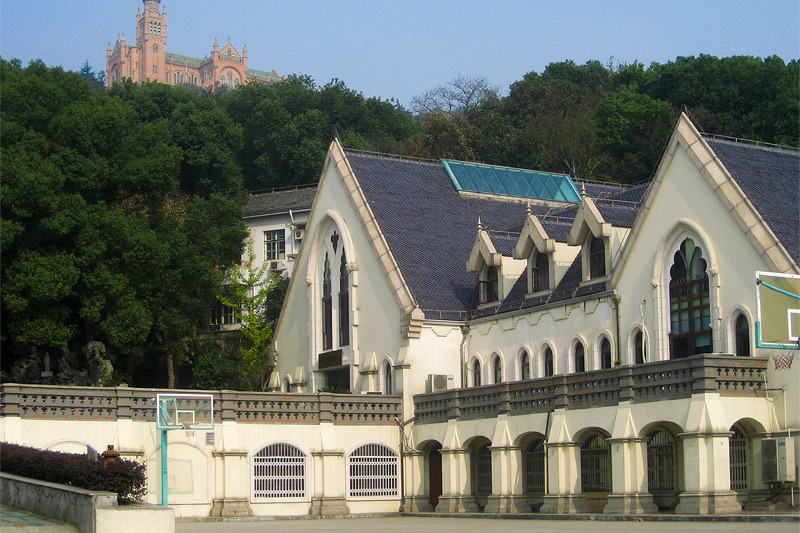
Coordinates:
[126,478]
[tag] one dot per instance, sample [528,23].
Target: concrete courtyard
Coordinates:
[405,524]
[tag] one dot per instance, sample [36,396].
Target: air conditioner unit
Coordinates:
[439,382]
[277,266]
[777,460]
[299,233]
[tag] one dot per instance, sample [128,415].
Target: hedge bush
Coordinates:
[126,478]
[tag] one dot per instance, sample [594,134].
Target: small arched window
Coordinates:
[525,366]
[580,357]
[597,258]
[638,348]
[497,370]
[742,334]
[548,362]
[388,386]
[476,373]
[605,353]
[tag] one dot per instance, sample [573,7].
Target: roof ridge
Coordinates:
[750,143]
[410,158]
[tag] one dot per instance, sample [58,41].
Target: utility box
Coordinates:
[777,460]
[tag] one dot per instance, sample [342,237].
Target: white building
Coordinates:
[545,345]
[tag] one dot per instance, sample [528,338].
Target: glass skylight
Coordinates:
[492,179]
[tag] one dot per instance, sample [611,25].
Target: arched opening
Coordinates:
[738,449]
[605,353]
[741,333]
[549,368]
[388,386]
[579,357]
[372,471]
[497,370]
[480,460]
[533,470]
[690,303]
[595,470]
[344,302]
[433,452]
[327,306]
[476,373]
[638,348]
[662,468]
[525,366]
[279,471]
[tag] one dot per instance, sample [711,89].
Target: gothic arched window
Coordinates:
[689,301]
[605,353]
[638,348]
[549,369]
[497,370]
[742,333]
[580,357]
[525,366]
[476,373]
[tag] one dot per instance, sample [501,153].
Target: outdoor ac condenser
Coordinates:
[439,382]
[777,460]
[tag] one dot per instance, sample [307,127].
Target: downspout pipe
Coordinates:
[616,300]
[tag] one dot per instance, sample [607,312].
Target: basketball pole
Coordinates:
[164,468]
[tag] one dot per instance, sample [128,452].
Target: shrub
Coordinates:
[126,478]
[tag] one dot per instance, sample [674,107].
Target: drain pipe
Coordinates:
[463,354]
[403,446]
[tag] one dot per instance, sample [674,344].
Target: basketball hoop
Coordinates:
[187,427]
[783,361]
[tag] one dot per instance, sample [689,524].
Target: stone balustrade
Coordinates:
[661,380]
[101,403]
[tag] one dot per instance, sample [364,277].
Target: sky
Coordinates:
[402,48]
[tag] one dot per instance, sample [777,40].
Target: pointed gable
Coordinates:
[587,220]
[533,236]
[483,252]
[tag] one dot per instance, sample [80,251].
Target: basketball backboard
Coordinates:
[184,411]
[778,301]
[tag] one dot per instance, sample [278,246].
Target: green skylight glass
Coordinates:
[511,181]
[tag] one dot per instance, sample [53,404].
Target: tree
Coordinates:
[460,96]
[246,291]
[114,229]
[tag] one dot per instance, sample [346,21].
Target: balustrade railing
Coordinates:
[649,382]
[100,403]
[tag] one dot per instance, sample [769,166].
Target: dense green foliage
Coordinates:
[595,121]
[121,208]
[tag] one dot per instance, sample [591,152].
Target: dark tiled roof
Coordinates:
[420,213]
[770,177]
[431,229]
[270,203]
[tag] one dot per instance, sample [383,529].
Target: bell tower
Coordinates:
[151,39]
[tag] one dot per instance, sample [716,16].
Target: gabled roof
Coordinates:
[275,202]
[770,177]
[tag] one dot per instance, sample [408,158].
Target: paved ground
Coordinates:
[476,525]
[21,521]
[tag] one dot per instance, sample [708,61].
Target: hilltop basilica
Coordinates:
[148,59]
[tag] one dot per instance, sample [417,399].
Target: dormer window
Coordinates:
[540,273]
[597,258]
[488,286]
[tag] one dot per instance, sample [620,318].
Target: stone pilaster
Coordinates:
[507,494]
[706,475]
[629,478]
[231,468]
[563,480]
[456,489]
